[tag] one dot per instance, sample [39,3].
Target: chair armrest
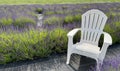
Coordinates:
[106,43]
[73,32]
[107,38]
[70,36]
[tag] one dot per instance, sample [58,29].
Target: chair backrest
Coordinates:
[93,22]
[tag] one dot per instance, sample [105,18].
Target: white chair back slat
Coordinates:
[98,37]
[85,34]
[93,22]
[99,22]
[88,35]
[87,22]
[96,17]
[83,26]
[91,36]
[103,23]
[88,26]
[94,36]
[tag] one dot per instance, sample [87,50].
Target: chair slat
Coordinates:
[94,37]
[98,37]
[91,20]
[95,21]
[103,23]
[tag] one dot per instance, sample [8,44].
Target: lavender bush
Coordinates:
[31,44]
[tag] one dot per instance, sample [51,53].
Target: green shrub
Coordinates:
[49,13]
[40,41]
[68,19]
[77,17]
[6,21]
[117,25]
[112,14]
[56,12]
[58,40]
[64,7]
[39,10]
[108,29]
[21,46]
[31,44]
[23,22]
[117,31]
[112,32]
[71,18]
[59,12]
[53,20]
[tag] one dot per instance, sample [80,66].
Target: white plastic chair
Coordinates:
[93,22]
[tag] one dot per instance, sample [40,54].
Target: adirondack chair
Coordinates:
[93,22]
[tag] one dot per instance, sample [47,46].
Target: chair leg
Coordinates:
[101,62]
[68,57]
[98,66]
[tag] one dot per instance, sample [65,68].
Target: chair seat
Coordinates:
[87,48]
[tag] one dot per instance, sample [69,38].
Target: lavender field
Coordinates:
[19,17]
[22,39]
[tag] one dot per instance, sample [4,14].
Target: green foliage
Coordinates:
[71,18]
[53,20]
[6,21]
[108,29]
[117,24]
[56,12]
[58,40]
[85,7]
[54,1]
[60,12]
[117,31]
[31,44]
[39,10]
[111,14]
[23,21]
[64,7]
[77,17]
[21,46]
[77,37]
[68,19]
[113,33]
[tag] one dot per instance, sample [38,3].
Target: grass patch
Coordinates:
[53,1]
